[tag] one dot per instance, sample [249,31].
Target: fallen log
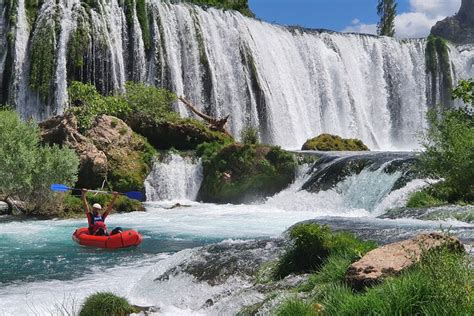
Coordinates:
[214,123]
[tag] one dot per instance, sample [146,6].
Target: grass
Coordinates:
[106,304]
[313,247]
[442,283]
[423,199]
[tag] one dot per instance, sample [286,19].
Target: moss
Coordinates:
[438,63]
[243,172]
[106,304]
[32,8]
[78,45]
[43,50]
[328,142]
[128,167]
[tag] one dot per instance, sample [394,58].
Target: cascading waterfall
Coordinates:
[3,39]
[292,83]
[174,178]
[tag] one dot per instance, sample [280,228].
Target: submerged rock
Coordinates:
[458,29]
[328,142]
[392,259]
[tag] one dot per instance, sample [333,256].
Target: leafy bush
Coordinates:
[249,135]
[441,284]
[106,304]
[423,199]
[449,152]
[28,169]
[312,244]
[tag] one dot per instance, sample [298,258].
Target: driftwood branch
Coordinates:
[214,123]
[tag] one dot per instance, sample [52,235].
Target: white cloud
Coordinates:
[361,28]
[416,23]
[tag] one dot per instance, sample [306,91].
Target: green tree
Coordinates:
[449,147]
[27,168]
[387,11]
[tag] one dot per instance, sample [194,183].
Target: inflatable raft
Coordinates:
[127,238]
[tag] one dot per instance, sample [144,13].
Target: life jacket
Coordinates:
[97,223]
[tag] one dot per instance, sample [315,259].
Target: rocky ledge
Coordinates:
[458,29]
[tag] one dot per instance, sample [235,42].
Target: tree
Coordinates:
[449,147]
[387,10]
[27,168]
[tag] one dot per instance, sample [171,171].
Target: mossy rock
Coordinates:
[106,304]
[129,155]
[241,173]
[328,142]
[177,133]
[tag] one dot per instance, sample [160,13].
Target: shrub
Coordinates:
[328,142]
[249,135]
[423,199]
[106,304]
[312,244]
[449,147]
[28,169]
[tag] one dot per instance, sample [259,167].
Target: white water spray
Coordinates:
[175,178]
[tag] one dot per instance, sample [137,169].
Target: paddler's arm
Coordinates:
[111,205]
[84,201]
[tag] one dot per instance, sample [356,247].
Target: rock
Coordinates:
[109,150]
[180,134]
[62,130]
[3,207]
[458,29]
[243,173]
[392,259]
[328,142]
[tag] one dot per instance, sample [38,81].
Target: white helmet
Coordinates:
[97,206]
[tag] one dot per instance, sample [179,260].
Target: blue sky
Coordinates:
[415,16]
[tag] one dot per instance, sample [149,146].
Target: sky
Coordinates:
[415,17]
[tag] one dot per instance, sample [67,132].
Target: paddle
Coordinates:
[56,187]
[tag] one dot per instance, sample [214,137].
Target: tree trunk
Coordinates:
[214,123]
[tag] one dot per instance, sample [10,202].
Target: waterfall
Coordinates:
[174,178]
[3,40]
[292,83]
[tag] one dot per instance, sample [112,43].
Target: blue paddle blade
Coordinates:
[60,187]
[135,195]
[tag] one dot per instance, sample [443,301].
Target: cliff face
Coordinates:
[458,29]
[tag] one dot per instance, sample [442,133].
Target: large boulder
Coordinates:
[109,150]
[458,29]
[242,173]
[177,133]
[62,130]
[392,259]
[328,142]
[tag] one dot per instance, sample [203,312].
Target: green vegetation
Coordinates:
[449,153]
[387,11]
[294,306]
[437,61]
[78,45]
[238,5]
[43,47]
[237,172]
[249,135]
[139,6]
[312,245]
[106,304]
[328,142]
[72,206]
[28,169]
[32,8]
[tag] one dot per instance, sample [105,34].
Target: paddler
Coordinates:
[95,219]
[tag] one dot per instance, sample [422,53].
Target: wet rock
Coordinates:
[461,213]
[392,259]
[458,29]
